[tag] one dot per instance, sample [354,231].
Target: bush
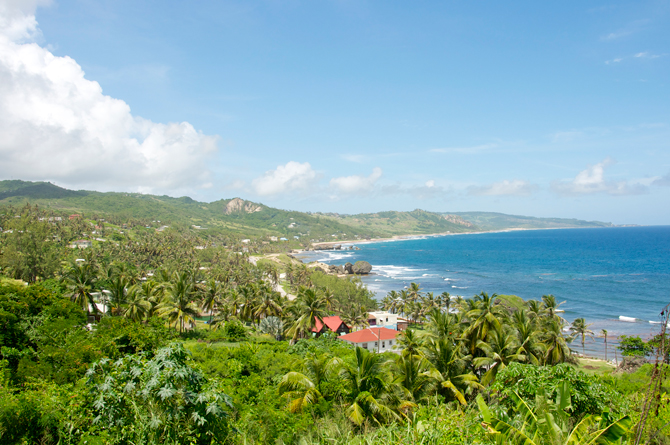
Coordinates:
[234,331]
[590,395]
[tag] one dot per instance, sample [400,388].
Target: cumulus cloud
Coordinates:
[428,190]
[291,177]
[355,183]
[58,125]
[592,180]
[515,187]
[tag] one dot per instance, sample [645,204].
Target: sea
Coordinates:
[600,274]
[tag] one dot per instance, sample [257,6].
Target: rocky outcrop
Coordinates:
[458,220]
[348,268]
[631,364]
[338,270]
[362,268]
[327,247]
[237,205]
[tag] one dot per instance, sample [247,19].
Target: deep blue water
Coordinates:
[599,273]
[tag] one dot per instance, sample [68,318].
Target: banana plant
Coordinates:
[549,423]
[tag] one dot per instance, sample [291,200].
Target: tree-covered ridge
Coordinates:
[501,221]
[254,220]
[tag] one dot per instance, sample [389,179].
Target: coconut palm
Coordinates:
[356,317]
[368,393]
[412,372]
[527,336]
[414,292]
[409,340]
[556,349]
[177,305]
[137,306]
[485,315]
[441,324]
[269,303]
[550,308]
[579,328]
[80,280]
[604,334]
[454,380]
[118,293]
[500,349]
[307,308]
[304,388]
[211,298]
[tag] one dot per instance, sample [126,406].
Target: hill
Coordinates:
[249,219]
[501,221]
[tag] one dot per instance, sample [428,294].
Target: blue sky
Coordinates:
[530,108]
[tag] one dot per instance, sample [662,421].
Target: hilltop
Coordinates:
[244,218]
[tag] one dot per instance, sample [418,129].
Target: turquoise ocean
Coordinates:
[601,274]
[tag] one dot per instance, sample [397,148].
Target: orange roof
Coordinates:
[332,322]
[370,334]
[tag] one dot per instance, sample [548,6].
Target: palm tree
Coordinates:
[177,305]
[484,316]
[453,378]
[355,317]
[527,336]
[550,308]
[446,300]
[303,389]
[211,298]
[272,325]
[368,395]
[413,374]
[118,293]
[307,308]
[604,333]
[579,328]
[268,304]
[555,346]
[441,324]
[137,306]
[80,280]
[500,349]
[414,292]
[409,340]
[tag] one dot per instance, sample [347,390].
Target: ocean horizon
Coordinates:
[600,273]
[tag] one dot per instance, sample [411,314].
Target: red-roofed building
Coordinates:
[373,339]
[333,323]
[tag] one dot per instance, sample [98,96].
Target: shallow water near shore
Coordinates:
[601,274]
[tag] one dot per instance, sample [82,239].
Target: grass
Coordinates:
[594,366]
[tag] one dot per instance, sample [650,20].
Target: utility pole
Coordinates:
[379,339]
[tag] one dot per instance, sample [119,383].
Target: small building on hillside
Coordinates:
[384,319]
[75,216]
[375,339]
[81,244]
[334,324]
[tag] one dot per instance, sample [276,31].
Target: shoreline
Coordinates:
[435,235]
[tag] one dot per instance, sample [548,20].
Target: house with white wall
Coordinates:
[374,339]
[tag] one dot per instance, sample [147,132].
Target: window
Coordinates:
[390,342]
[387,319]
[364,346]
[383,344]
[375,344]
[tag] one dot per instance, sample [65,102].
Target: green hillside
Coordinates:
[501,221]
[249,219]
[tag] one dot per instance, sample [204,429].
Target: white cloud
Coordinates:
[58,125]
[291,177]
[515,187]
[356,184]
[647,55]
[617,60]
[592,180]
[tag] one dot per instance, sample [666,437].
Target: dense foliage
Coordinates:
[148,339]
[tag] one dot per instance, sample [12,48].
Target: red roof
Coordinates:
[370,334]
[333,323]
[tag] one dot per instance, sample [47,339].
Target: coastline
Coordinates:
[434,235]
